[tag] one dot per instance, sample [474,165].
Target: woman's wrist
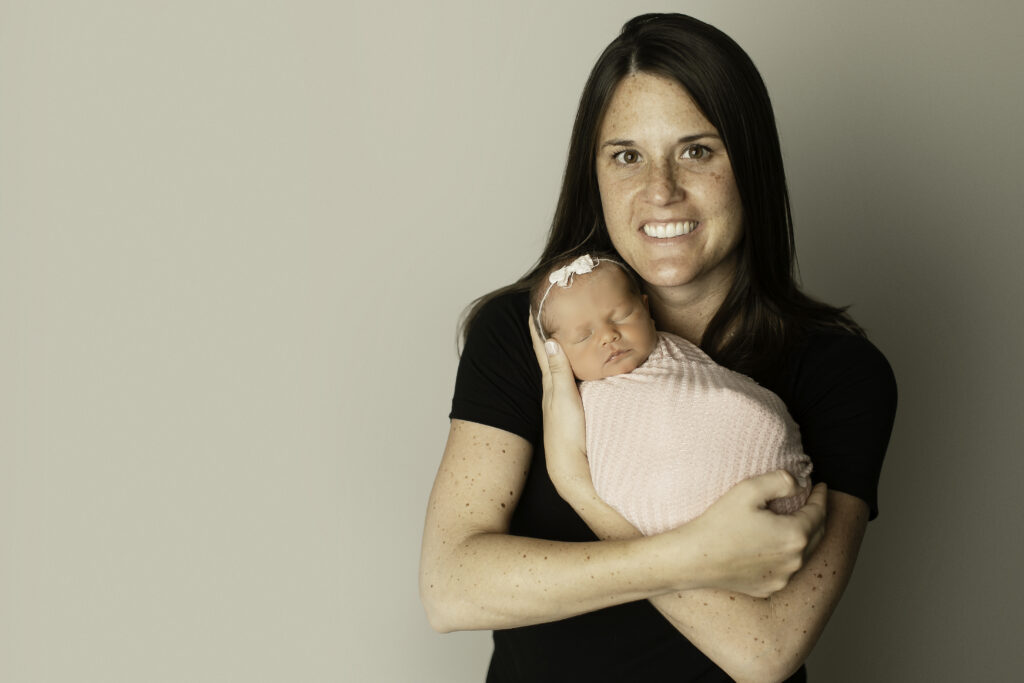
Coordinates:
[568,470]
[574,489]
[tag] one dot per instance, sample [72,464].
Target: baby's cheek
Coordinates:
[577,361]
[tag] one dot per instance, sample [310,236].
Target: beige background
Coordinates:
[234,241]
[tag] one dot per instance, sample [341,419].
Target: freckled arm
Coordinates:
[474,575]
[753,639]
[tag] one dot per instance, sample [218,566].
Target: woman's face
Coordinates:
[670,200]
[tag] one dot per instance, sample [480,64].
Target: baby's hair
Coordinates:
[541,286]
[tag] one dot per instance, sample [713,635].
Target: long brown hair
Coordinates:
[765,308]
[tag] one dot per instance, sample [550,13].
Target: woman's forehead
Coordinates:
[644,102]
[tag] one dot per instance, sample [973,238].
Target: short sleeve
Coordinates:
[498,381]
[844,399]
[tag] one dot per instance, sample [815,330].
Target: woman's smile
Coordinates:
[670,229]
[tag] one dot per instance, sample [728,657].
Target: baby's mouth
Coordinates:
[615,356]
[667,230]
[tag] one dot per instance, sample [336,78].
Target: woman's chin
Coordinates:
[667,275]
[701,275]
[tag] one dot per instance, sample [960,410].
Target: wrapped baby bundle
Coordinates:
[665,441]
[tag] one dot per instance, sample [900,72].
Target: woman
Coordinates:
[675,164]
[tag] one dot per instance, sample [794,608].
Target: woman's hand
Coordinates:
[749,548]
[565,433]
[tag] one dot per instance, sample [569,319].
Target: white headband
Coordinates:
[563,277]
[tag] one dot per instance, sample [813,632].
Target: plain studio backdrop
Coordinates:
[235,239]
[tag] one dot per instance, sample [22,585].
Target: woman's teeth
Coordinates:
[669,229]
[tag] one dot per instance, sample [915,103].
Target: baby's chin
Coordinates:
[623,369]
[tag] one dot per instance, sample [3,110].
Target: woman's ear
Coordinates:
[643,297]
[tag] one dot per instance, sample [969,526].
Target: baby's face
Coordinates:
[603,327]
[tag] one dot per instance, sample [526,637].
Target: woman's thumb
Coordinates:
[558,364]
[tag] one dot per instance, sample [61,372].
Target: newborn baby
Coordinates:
[668,430]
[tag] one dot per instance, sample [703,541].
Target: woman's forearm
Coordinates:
[768,639]
[753,639]
[474,575]
[494,580]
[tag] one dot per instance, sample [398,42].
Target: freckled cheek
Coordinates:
[723,182]
[617,201]
[717,186]
[723,186]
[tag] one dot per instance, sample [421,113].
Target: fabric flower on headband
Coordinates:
[563,276]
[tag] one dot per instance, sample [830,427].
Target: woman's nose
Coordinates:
[663,184]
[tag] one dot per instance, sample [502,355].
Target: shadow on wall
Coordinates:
[924,245]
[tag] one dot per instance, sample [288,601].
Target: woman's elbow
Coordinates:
[775,672]
[762,671]
[450,609]
[446,607]
[435,604]
[439,618]
[446,614]
[772,666]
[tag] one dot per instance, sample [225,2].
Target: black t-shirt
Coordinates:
[838,387]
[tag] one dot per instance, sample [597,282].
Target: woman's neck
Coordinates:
[687,310]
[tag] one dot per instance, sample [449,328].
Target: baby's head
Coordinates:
[593,307]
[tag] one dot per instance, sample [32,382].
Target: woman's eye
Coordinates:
[697,152]
[626,156]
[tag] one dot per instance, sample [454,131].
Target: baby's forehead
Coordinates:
[607,277]
[592,290]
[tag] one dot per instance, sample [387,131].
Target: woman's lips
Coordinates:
[669,229]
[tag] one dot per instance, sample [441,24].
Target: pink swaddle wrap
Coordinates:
[668,439]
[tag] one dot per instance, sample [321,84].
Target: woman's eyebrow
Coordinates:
[618,142]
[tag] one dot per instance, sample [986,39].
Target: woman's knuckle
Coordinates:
[796,540]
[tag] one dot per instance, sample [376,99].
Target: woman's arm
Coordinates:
[751,638]
[757,639]
[754,638]
[474,575]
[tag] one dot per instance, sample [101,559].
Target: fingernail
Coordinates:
[551,347]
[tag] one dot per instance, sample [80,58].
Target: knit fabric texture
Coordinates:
[665,441]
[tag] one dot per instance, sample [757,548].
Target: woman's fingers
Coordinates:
[554,366]
[781,484]
[565,435]
[538,348]
[769,486]
[756,550]
[814,513]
